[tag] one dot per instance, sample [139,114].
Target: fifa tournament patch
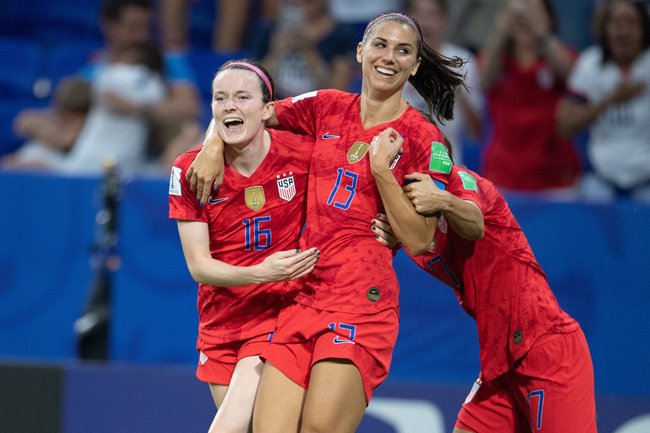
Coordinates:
[254,197]
[469,182]
[440,160]
[175,182]
[286,186]
[357,151]
[304,96]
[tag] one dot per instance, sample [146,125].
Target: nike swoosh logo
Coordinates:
[219,200]
[326,136]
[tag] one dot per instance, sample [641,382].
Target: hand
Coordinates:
[383,231]
[626,91]
[384,148]
[425,196]
[288,265]
[206,172]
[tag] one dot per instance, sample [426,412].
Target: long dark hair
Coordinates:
[642,10]
[437,77]
[267,92]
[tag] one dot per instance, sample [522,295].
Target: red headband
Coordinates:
[258,71]
[394,15]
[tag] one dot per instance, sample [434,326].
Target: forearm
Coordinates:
[573,118]
[415,231]
[464,216]
[557,54]
[183,102]
[207,270]
[490,64]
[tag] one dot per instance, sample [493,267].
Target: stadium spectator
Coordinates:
[609,94]
[135,77]
[230,27]
[125,23]
[470,22]
[468,110]
[523,70]
[51,133]
[313,53]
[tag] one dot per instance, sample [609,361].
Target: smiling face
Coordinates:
[388,56]
[237,106]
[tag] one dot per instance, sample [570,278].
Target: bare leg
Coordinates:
[460,430]
[335,400]
[174,19]
[236,409]
[278,404]
[230,27]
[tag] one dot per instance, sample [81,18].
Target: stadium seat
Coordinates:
[206,63]
[50,22]
[67,58]
[22,63]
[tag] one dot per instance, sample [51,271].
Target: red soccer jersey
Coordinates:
[355,272]
[526,153]
[249,218]
[497,279]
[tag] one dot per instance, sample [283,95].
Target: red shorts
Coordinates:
[306,335]
[217,363]
[552,387]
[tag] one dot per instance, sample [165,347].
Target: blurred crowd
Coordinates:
[556,103]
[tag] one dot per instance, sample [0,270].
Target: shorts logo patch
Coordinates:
[357,151]
[175,182]
[254,197]
[203,358]
[469,182]
[286,186]
[440,160]
[373,294]
[518,337]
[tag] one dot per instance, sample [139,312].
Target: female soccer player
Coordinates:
[335,336]
[536,370]
[241,246]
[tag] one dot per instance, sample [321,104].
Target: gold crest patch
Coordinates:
[357,151]
[254,196]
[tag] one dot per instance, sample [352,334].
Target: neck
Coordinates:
[244,159]
[378,108]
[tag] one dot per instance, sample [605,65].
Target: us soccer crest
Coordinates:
[357,151]
[286,186]
[254,197]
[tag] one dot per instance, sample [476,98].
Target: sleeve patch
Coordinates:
[469,182]
[175,182]
[304,96]
[440,160]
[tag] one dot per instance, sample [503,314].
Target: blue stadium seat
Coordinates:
[22,63]
[67,58]
[50,22]
[206,63]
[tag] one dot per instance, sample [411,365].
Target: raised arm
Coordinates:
[280,266]
[464,216]
[415,231]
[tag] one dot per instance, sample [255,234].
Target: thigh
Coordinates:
[278,404]
[555,383]
[490,408]
[236,410]
[336,400]
[218,393]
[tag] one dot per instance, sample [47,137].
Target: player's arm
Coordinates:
[279,266]
[416,232]
[464,216]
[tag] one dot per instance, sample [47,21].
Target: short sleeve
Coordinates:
[300,113]
[182,202]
